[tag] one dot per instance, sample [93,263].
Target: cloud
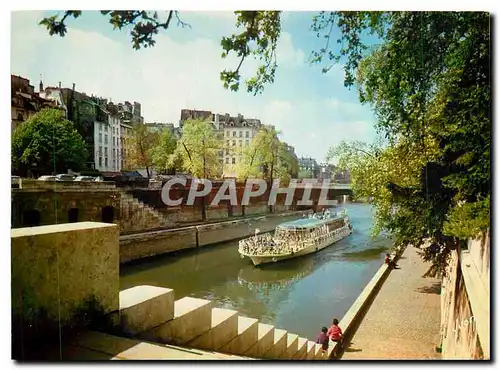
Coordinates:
[178,74]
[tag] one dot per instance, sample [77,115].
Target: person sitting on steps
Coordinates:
[389,261]
[335,334]
[323,339]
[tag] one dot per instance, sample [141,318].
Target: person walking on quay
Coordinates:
[323,339]
[335,334]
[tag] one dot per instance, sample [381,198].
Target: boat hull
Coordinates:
[259,260]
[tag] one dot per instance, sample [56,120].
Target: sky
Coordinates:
[312,110]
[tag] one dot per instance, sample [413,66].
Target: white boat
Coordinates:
[296,238]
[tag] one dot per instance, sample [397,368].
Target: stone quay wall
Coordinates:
[465,303]
[60,273]
[137,246]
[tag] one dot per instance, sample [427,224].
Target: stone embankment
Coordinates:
[148,244]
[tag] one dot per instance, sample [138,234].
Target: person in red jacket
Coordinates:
[335,333]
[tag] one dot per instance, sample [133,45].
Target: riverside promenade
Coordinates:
[403,320]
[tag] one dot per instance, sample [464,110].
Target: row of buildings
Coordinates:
[104,125]
[309,167]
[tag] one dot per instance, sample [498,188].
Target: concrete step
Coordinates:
[143,308]
[302,349]
[292,342]
[192,317]
[310,350]
[246,338]
[265,340]
[279,345]
[224,329]
[117,348]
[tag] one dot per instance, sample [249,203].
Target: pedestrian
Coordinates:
[389,261]
[336,335]
[323,339]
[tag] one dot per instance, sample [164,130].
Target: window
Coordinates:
[247,134]
[241,142]
[100,138]
[106,161]
[234,133]
[241,134]
[221,161]
[227,160]
[234,160]
[228,133]
[100,161]
[100,126]
[100,149]
[114,155]
[114,164]
[227,142]
[227,151]
[105,138]
[247,143]
[114,143]
[234,142]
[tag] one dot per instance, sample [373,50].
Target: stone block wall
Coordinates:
[59,272]
[55,206]
[138,246]
[465,303]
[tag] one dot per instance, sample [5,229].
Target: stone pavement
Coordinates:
[403,320]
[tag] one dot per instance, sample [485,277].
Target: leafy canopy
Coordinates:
[139,148]
[162,153]
[429,85]
[47,143]
[198,149]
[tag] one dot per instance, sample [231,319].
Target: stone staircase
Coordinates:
[152,315]
[137,216]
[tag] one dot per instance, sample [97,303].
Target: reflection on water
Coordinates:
[299,295]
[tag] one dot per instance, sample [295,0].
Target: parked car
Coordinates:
[84,178]
[47,178]
[65,177]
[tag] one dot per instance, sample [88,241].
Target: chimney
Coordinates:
[41,86]
[59,84]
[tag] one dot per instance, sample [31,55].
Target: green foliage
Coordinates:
[162,153]
[198,148]
[259,38]
[47,143]
[267,157]
[139,148]
[429,84]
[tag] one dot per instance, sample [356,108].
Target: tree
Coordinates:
[266,157]
[47,143]
[197,150]
[162,153]
[429,84]
[140,148]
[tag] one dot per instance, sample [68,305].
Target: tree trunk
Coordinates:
[147,172]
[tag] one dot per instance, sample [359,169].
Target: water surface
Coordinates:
[300,295]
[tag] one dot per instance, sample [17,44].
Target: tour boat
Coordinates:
[296,238]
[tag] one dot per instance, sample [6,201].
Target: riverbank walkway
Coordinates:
[403,320]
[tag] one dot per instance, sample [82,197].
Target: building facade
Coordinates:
[309,167]
[235,133]
[25,102]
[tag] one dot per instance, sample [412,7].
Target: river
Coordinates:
[300,295]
